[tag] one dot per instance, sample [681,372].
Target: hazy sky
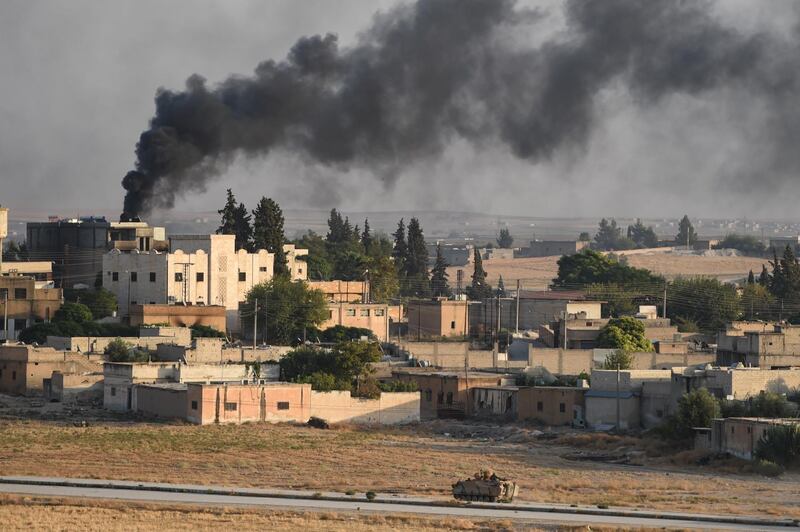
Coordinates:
[79,77]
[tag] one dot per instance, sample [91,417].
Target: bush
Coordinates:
[71,328]
[780,444]
[765,404]
[101,302]
[370,495]
[618,359]
[39,332]
[118,350]
[624,333]
[205,331]
[695,409]
[76,312]
[398,386]
[324,382]
[767,468]
[340,333]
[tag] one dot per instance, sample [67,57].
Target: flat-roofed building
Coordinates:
[437,318]
[24,304]
[372,316]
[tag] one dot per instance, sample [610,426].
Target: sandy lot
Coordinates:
[536,273]
[423,459]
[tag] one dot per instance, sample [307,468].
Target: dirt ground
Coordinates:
[537,273]
[421,459]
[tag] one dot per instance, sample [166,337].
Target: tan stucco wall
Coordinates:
[389,409]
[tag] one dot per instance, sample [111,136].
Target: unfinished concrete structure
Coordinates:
[23,368]
[342,291]
[27,304]
[551,248]
[372,316]
[767,345]
[738,436]
[437,318]
[213,316]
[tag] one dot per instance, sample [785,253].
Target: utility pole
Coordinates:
[665,299]
[618,415]
[266,320]
[516,326]
[5,317]
[255,325]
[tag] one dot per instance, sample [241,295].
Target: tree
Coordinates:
[695,409]
[781,445]
[590,267]
[624,333]
[751,278]
[763,277]
[757,303]
[340,367]
[747,244]
[118,350]
[268,232]
[15,251]
[366,236]
[38,333]
[584,237]
[417,263]
[686,235]
[618,359]
[400,249]
[642,236]
[75,312]
[291,308]
[318,260]
[340,333]
[609,236]
[242,228]
[336,228]
[101,302]
[785,279]
[383,282]
[705,301]
[505,240]
[501,288]
[227,224]
[479,289]
[439,276]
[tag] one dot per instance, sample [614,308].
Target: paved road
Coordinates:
[152,492]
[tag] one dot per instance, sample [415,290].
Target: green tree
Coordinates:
[695,409]
[417,263]
[590,267]
[747,244]
[609,236]
[479,289]
[686,235]
[268,232]
[366,236]
[618,359]
[781,445]
[751,278]
[642,236]
[757,303]
[318,261]
[439,276]
[75,312]
[584,237]
[118,350]
[39,332]
[340,367]
[785,279]
[227,224]
[242,228]
[505,240]
[101,302]
[15,251]
[624,333]
[383,282]
[340,333]
[763,277]
[291,309]
[206,331]
[400,250]
[705,301]
[501,288]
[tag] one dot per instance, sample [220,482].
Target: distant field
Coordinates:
[538,272]
[421,460]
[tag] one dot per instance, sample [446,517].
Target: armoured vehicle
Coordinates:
[485,486]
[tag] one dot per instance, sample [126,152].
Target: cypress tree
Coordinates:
[228,213]
[243,230]
[268,232]
[439,277]
[336,229]
[366,236]
[417,264]
[400,250]
[763,278]
[479,289]
[501,288]
[751,278]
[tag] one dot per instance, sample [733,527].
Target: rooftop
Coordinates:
[554,295]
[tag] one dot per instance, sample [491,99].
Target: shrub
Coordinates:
[340,333]
[324,382]
[695,409]
[398,386]
[618,359]
[118,350]
[76,312]
[780,444]
[71,328]
[767,468]
[205,331]
[370,495]
[624,333]
[39,332]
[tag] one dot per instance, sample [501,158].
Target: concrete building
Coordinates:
[41,271]
[86,387]
[453,254]
[395,408]
[536,308]
[605,394]
[779,243]
[437,318]
[342,291]
[738,436]
[736,383]
[213,316]
[23,368]
[167,400]
[767,345]
[372,316]
[296,262]
[26,304]
[447,393]
[239,403]
[198,270]
[552,405]
[579,332]
[76,245]
[552,248]
[149,338]
[215,351]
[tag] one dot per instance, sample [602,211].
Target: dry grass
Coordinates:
[40,513]
[539,271]
[415,460]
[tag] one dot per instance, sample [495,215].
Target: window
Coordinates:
[242,277]
[134,277]
[115,276]
[230,407]
[178,277]
[262,269]
[13,375]
[113,392]
[364,312]
[3,293]
[449,398]
[562,407]
[330,314]
[731,430]
[283,405]
[300,271]
[20,323]
[133,302]
[200,277]
[429,395]
[539,406]
[749,430]
[380,312]
[452,325]
[20,293]
[440,397]
[152,277]
[351,312]
[194,405]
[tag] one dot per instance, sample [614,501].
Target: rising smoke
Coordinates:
[429,72]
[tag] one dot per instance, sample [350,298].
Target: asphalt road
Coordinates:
[157,493]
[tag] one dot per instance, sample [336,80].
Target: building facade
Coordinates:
[22,304]
[437,318]
[372,316]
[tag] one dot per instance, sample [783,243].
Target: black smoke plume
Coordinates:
[428,72]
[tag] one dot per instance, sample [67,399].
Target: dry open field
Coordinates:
[419,460]
[537,273]
[53,514]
